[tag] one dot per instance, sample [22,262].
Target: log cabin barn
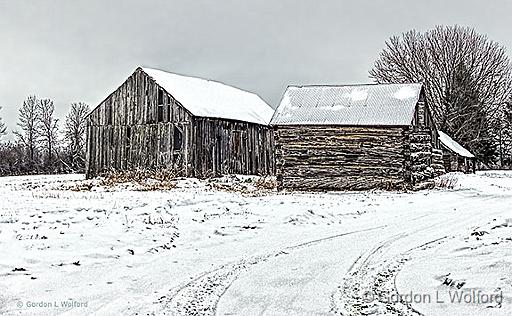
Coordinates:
[372,136]
[195,127]
[456,157]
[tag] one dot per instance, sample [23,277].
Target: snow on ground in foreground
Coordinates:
[472,270]
[225,248]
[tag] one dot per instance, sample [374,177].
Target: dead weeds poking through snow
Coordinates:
[138,180]
[447,181]
[252,185]
[144,180]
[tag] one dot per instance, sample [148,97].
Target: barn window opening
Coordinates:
[160,97]
[110,136]
[128,143]
[160,113]
[169,108]
[108,114]
[178,138]
[128,135]
[160,106]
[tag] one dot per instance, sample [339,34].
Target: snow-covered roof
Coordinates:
[208,98]
[368,104]
[448,142]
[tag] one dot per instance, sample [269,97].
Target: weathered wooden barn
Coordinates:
[355,137]
[456,157]
[193,126]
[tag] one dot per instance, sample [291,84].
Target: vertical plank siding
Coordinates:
[134,128]
[124,132]
[453,162]
[230,147]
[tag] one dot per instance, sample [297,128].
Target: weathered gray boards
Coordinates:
[355,137]
[456,157]
[195,127]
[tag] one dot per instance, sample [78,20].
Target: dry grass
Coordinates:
[86,185]
[142,180]
[166,179]
[251,185]
[140,176]
[146,180]
[446,182]
[266,183]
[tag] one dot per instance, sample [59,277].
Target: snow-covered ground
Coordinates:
[73,247]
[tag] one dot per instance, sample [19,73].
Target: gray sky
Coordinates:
[82,50]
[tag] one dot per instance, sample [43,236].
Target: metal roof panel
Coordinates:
[371,104]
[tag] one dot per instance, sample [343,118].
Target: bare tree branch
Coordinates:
[28,125]
[3,128]
[74,133]
[47,129]
[467,78]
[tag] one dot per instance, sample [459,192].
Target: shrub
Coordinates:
[446,182]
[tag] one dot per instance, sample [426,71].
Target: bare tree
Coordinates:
[466,75]
[47,130]
[3,128]
[12,160]
[74,133]
[504,128]
[28,125]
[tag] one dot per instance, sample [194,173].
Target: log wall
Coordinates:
[341,157]
[421,158]
[317,157]
[437,161]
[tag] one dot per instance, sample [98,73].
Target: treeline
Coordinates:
[467,77]
[468,80]
[42,144]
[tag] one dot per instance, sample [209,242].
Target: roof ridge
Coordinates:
[198,78]
[367,104]
[210,98]
[454,145]
[177,74]
[352,85]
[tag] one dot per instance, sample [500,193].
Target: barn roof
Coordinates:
[449,143]
[208,98]
[367,104]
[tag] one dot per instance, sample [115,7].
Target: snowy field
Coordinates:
[75,247]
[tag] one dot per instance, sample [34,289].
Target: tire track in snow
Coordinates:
[371,279]
[201,295]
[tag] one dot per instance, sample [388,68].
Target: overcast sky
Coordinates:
[82,50]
